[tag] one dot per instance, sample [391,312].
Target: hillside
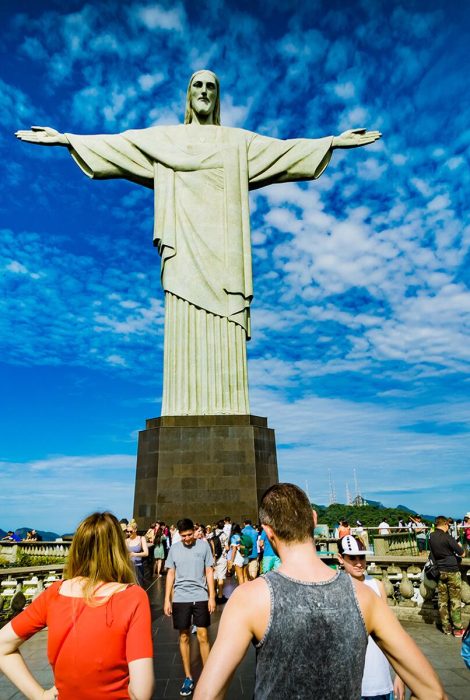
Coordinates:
[369,515]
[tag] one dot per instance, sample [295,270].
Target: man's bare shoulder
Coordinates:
[249,598]
[256,591]
[249,607]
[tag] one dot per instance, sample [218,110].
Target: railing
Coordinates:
[401,575]
[400,541]
[411,597]
[28,568]
[16,552]
[396,543]
[19,585]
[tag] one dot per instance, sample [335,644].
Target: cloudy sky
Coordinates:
[360,351]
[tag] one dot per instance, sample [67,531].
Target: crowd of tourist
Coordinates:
[415,526]
[99,623]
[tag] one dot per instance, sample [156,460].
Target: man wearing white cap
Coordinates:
[376,680]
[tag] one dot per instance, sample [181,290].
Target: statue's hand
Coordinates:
[43,135]
[353,138]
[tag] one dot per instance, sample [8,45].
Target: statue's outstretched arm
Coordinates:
[43,135]
[353,138]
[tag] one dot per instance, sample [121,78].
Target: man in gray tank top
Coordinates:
[309,623]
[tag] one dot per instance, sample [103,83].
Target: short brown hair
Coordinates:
[441,520]
[98,553]
[287,509]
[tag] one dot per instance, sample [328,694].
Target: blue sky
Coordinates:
[360,351]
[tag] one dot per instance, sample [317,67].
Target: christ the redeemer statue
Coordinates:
[201,173]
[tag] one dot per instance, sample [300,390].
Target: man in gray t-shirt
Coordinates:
[190,594]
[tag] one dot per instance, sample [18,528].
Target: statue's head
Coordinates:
[203,97]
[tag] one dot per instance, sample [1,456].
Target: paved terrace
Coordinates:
[443,652]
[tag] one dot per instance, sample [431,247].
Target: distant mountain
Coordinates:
[380,506]
[414,512]
[369,513]
[45,534]
[408,510]
[23,531]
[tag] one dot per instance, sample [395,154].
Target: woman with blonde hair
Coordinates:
[99,626]
[138,550]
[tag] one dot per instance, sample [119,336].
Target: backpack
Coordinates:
[246,544]
[430,569]
[216,547]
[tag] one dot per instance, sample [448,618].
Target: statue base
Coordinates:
[203,468]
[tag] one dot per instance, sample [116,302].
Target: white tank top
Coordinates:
[376,679]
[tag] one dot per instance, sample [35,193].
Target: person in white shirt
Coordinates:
[384,528]
[376,680]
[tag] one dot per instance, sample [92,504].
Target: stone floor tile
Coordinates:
[160,688]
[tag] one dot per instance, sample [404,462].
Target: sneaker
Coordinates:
[459,633]
[187,687]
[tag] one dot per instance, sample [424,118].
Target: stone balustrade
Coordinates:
[397,543]
[19,585]
[411,598]
[15,552]
[26,568]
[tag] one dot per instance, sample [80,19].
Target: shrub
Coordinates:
[23,559]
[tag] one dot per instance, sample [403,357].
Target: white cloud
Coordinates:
[354,118]
[371,169]
[345,90]
[455,162]
[440,202]
[148,81]
[16,267]
[156,17]
[399,159]
[61,490]
[116,360]
[315,434]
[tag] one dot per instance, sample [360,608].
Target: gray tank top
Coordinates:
[315,643]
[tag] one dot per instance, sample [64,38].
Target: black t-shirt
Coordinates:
[445,550]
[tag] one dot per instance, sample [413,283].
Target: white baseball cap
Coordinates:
[350,546]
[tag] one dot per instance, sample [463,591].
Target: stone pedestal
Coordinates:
[203,467]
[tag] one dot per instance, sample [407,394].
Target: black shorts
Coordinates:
[186,614]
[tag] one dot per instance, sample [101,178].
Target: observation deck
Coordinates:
[442,651]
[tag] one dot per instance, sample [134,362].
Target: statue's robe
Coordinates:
[202,176]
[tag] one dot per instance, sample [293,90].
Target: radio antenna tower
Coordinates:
[348,495]
[358,495]
[332,489]
[358,500]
